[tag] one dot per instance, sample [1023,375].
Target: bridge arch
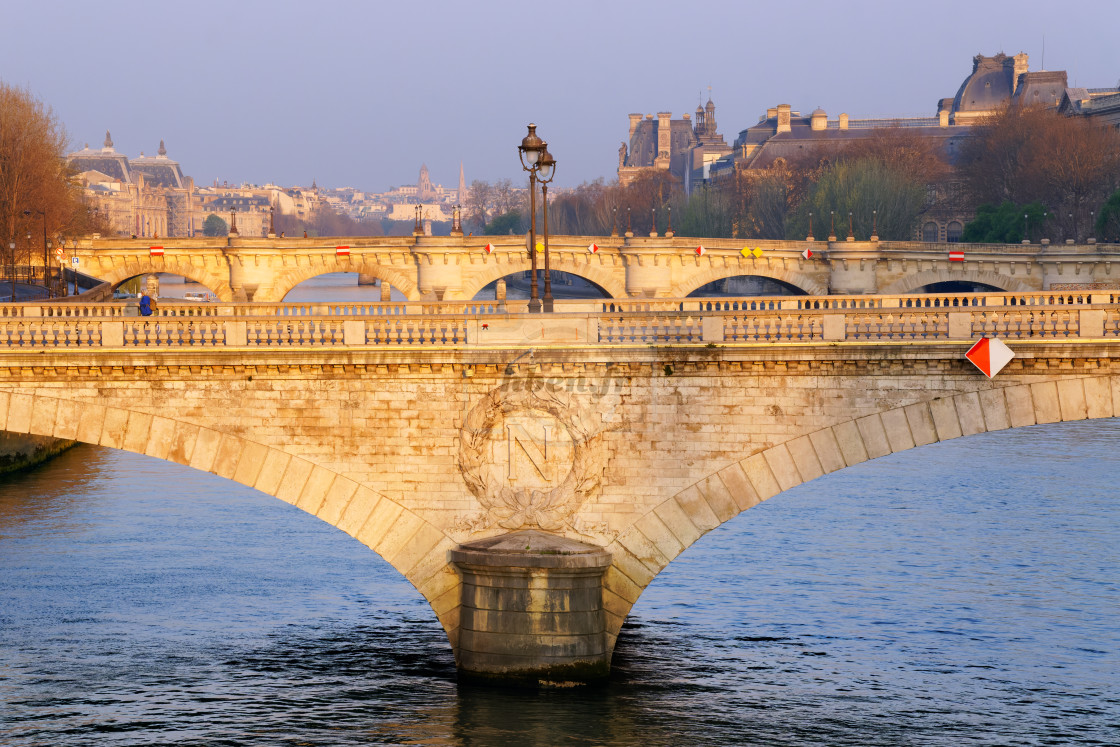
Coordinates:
[217,283]
[928,277]
[600,276]
[801,281]
[413,546]
[648,545]
[286,281]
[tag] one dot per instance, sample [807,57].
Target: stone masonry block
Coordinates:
[249,465]
[1046,406]
[19,413]
[205,449]
[874,436]
[1098,397]
[993,406]
[378,523]
[848,437]
[718,498]
[116,426]
[659,535]
[315,490]
[781,465]
[673,515]
[272,471]
[697,509]
[638,546]
[827,450]
[805,458]
[160,437]
[968,413]
[430,570]
[1020,406]
[630,565]
[920,420]
[338,497]
[138,430]
[358,510]
[295,477]
[762,479]
[43,413]
[897,429]
[408,558]
[620,584]
[1071,399]
[67,420]
[945,418]
[400,534]
[738,486]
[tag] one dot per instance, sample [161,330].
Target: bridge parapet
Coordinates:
[689,321]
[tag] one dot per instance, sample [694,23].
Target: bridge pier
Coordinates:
[532,609]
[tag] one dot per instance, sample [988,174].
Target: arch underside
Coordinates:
[413,546]
[474,281]
[218,284]
[287,280]
[929,277]
[805,283]
[648,545]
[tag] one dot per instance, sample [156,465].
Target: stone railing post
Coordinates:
[354,332]
[960,325]
[712,328]
[1090,323]
[112,334]
[835,327]
[237,335]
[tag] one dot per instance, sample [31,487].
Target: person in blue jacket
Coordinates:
[147,305]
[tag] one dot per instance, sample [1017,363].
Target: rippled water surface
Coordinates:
[962,593]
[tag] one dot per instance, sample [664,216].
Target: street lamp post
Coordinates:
[530,152]
[46,260]
[546,168]
[233,220]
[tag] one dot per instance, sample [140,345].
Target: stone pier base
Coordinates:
[532,610]
[364,278]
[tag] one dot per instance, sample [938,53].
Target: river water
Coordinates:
[965,593]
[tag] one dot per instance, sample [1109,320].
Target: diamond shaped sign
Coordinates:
[989,355]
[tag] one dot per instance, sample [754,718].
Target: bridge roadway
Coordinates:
[427,268]
[530,475]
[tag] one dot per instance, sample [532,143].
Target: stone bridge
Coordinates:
[456,268]
[531,475]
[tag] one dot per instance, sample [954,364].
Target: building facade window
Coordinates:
[954,231]
[929,231]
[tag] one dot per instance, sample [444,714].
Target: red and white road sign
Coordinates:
[489,248]
[989,355]
[155,251]
[342,251]
[59,254]
[956,256]
[701,251]
[593,248]
[807,254]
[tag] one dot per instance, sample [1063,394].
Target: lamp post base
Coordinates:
[534,306]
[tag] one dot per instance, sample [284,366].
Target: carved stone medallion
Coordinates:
[531,455]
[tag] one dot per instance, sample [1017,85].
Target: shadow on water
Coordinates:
[911,600]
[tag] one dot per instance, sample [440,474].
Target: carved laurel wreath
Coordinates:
[519,508]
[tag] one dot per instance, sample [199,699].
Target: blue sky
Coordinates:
[361,93]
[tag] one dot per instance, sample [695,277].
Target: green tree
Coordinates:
[1004,223]
[215,226]
[506,223]
[875,195]
[1108,219]
[706,214]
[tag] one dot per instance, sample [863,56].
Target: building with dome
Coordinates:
[145,196]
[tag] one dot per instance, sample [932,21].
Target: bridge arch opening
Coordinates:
[747,285]
[343,286]
[957,286]
[565,285]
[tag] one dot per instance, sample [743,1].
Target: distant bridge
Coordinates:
[532,474]
[427,268]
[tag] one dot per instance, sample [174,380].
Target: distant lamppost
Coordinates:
[530,153]
[874,225]
[12,267]
[233,220]
[271,222]
[46,260]
[546,170]
[810,236]
[629,230]
[1026,231]
[418,226]
[851,235]
[614,221]
[832,227]
[669,231]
